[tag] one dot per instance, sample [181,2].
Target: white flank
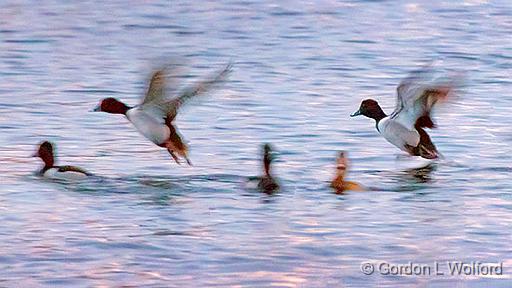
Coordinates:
[53,173]
[397,134]
[154,130]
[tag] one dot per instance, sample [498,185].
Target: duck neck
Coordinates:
[121,109]
[266,165]
[340,175]
[378,115]
[44,169]
[48,159]
[48,164]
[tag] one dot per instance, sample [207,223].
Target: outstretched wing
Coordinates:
[162,82]
[410,86]
[156,89]
[199,88]
[416,96]
[157,103]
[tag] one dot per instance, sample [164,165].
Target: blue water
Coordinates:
[300,69]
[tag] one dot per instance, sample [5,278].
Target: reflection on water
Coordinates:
[422,174]
[299,71]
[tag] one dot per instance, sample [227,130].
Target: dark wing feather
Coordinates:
[156,89]
[427,101]
[68,168]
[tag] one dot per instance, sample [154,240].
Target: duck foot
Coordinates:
[188,161]
[174,156]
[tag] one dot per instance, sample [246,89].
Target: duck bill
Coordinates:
[357,113]
[96,109]
[35,154]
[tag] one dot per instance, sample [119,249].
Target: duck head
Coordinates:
[111,105]
[268,157]
[371,109]
[45,152]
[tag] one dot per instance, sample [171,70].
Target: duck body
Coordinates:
[415,141]
[404,128]
[148,125]
[267,184]
[65,173]
[340,186]
[51,171]
[397,134]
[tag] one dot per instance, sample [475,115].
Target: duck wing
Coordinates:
[156,89]
[156,96]
[68,168]
[162,83]
[163,107]
[171,107]
[416,96]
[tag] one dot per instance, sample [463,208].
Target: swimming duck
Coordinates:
[45,152]
[338,183]
[267,183]
[154,116]
[404,127]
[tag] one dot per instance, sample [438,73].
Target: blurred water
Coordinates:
[300,69]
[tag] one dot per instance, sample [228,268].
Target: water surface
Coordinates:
[300,70]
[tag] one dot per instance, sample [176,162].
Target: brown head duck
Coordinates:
[404,128]
[50,170]
[154,116]
[338,183]
[267,183]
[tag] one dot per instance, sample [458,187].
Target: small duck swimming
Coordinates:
[267,183]
[154,116]
[338,183]
[45,152]
[404,127]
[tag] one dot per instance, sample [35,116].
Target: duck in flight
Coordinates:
[404,128]
[51,171]
[338,183]
[154,116]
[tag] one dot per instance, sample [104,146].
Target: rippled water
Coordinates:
[300,70]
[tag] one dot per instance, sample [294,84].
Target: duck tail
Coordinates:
[427,153]
[425,148]
[424,121]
